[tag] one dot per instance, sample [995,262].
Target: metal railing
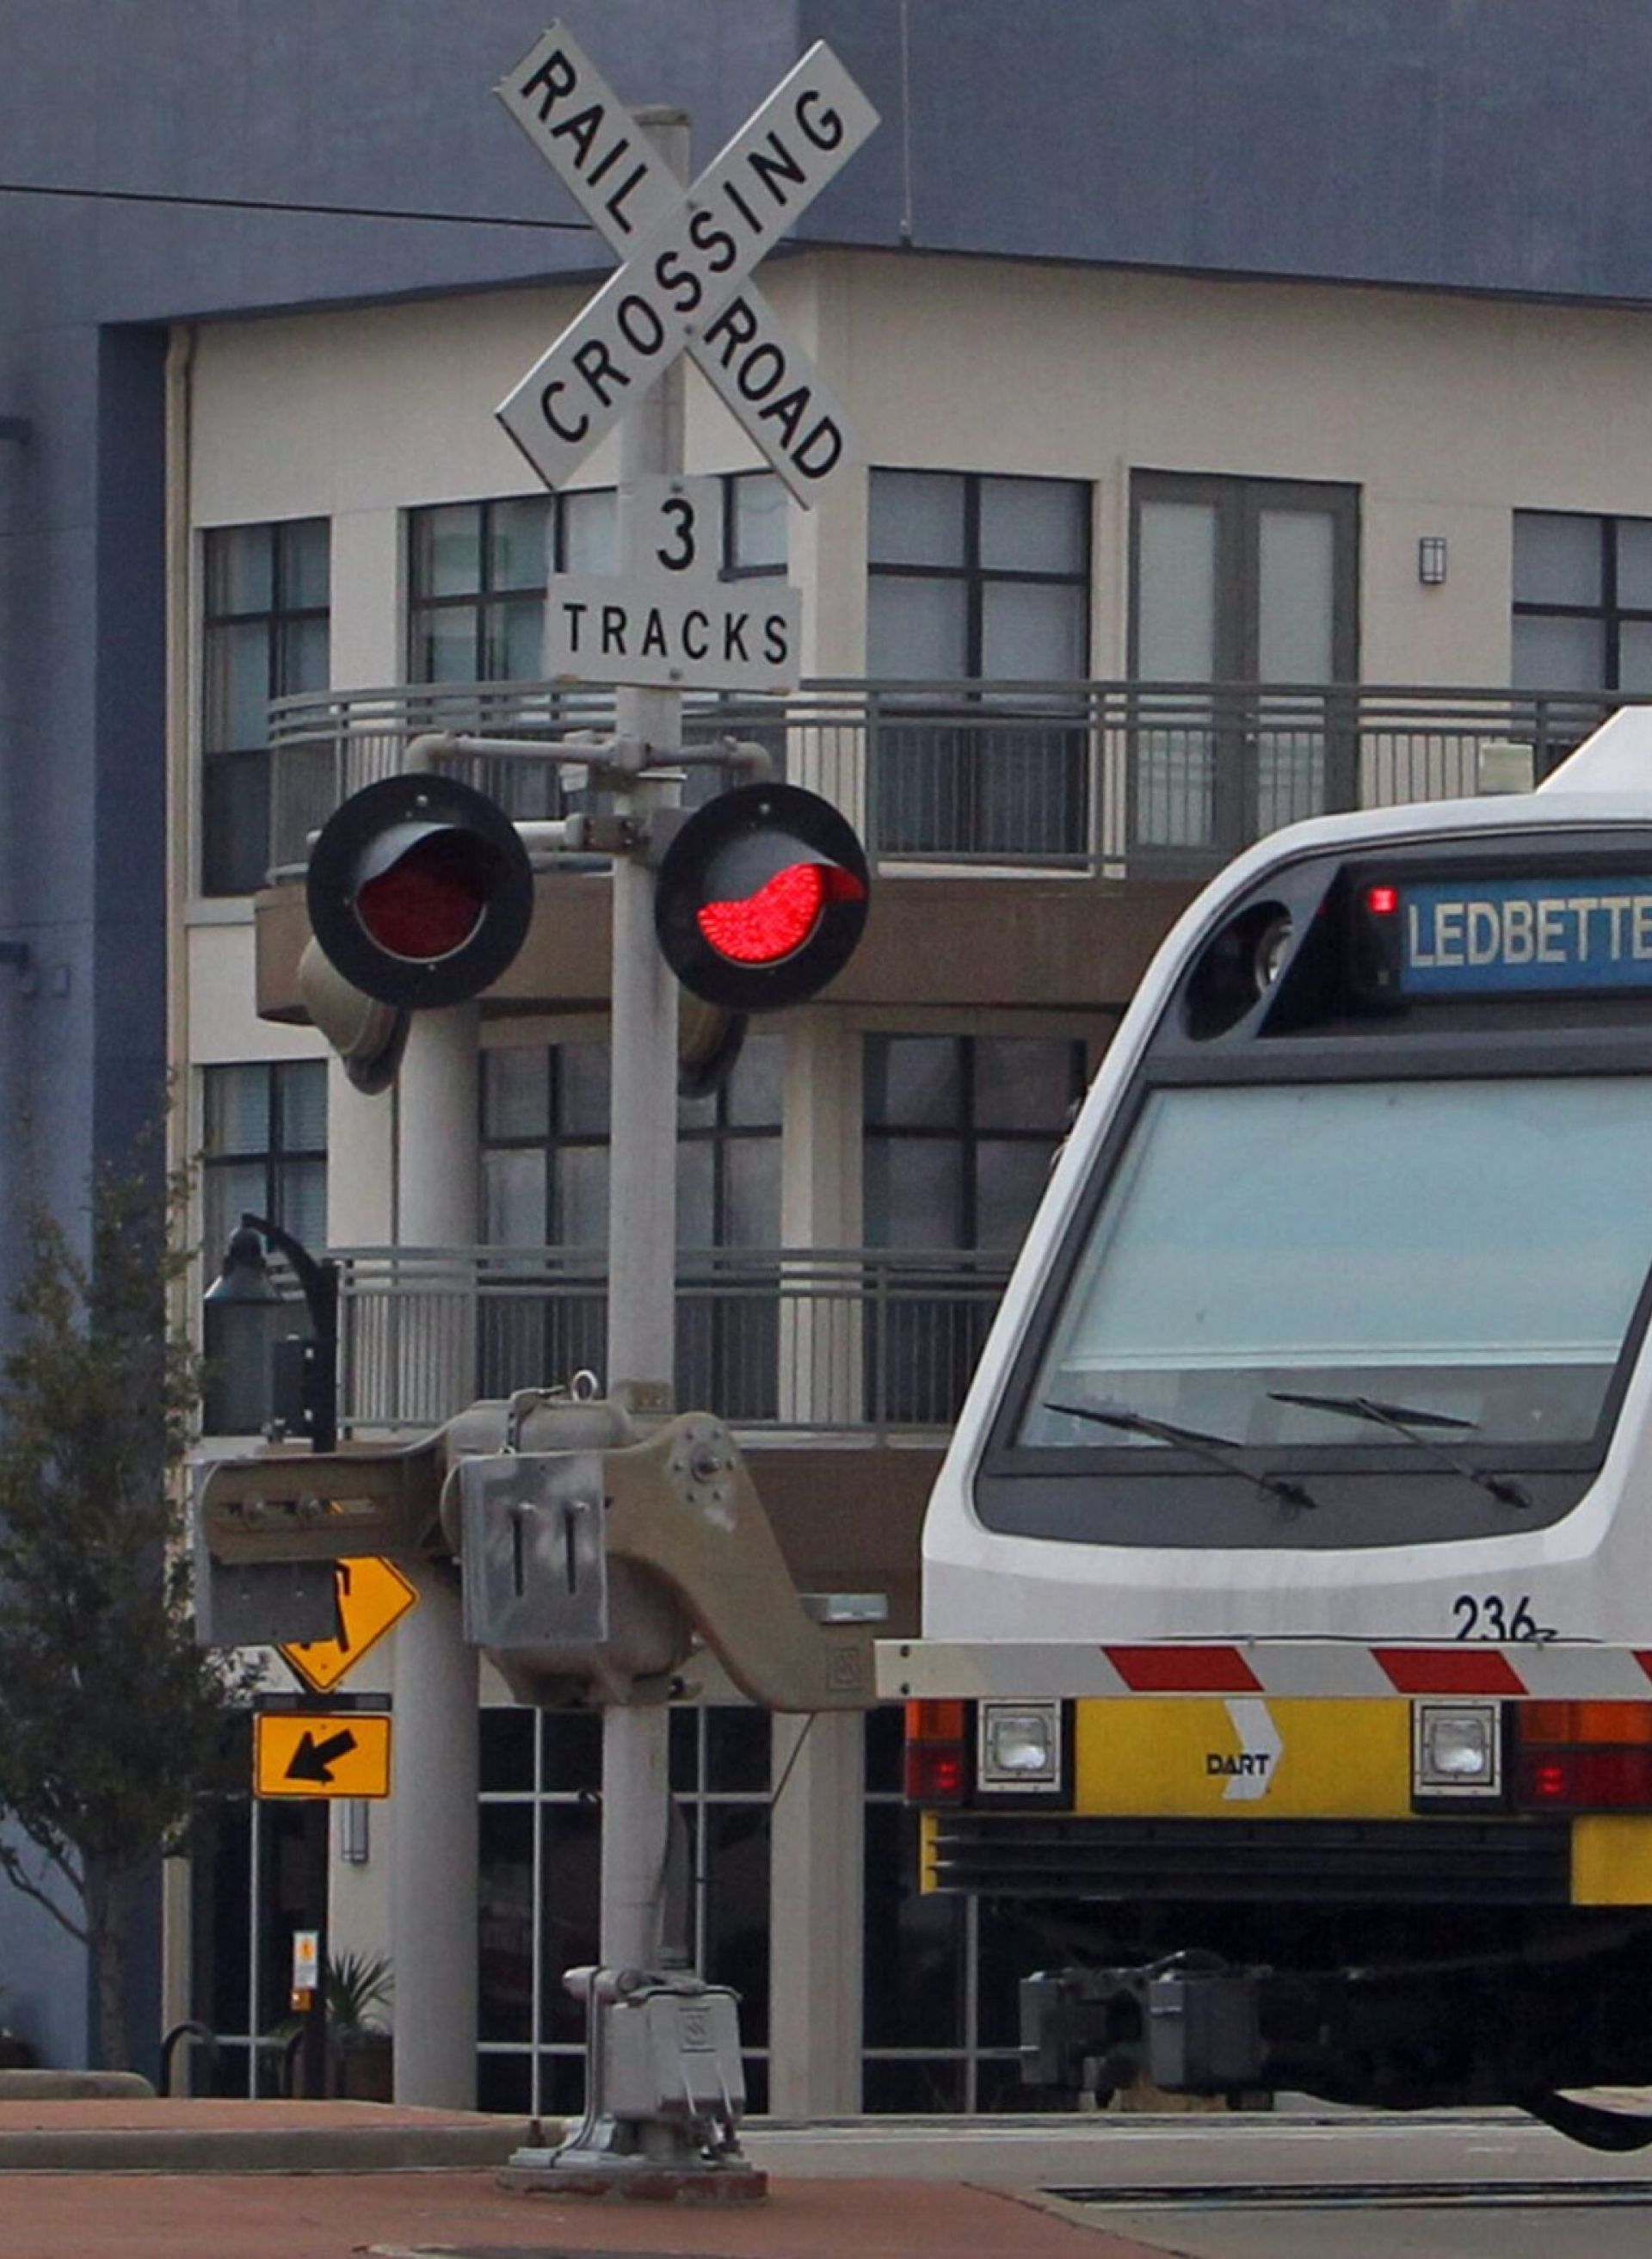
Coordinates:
[870,1340]
[1111,779]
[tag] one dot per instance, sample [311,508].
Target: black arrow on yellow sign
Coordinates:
[314,1760]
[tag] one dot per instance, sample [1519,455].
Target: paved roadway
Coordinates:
[1450,2186]
[1467,2187]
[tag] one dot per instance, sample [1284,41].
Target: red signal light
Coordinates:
[766,927]
[761,897]
[419,890]
[430,900]
[1381,901]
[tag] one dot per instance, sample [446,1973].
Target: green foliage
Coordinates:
[354,1985]
[112,1719]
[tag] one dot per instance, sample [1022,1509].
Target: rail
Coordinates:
[1114,779]
[875,1341]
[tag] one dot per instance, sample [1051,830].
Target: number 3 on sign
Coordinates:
[1490,1615]
[675,526]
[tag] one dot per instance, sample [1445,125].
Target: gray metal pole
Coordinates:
[434,1853]
[641,1234]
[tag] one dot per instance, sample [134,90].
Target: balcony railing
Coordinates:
[1110,778]
[874,1340]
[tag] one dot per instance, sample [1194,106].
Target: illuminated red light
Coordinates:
[1381,901]
[1584,1757]
[936,1769]
[773,923]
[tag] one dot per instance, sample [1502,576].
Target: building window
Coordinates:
[976,579]
[476,583]
[264,1149]
[478,571]
[960,1132]
[541,1838]
[754,526]
[265,636]
[545,1156]
[1236,580]
[1583,602]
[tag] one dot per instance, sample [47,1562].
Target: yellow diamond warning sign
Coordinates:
[371,1595]
[299,1753]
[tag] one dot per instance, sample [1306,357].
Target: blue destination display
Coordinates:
[1469,937]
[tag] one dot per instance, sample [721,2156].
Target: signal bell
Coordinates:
[761,897]
[420,891]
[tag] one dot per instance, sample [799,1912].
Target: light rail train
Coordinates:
[1287,1621]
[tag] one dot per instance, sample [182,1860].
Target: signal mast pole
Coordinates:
[642,1229]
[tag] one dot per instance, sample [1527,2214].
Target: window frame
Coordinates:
[275,1156]
[277,618]
[418,607]
[978,578]
[1609,612]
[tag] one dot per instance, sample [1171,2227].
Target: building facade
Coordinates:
[1253,408]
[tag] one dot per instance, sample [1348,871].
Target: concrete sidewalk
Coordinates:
[148,2179]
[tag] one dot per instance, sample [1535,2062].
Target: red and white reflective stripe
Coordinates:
[1025,1670]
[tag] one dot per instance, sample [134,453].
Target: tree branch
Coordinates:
[17,1875]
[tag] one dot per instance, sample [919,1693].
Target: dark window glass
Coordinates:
[570,1884]
[1583,602]
[735,1864]
[737,1749]
[265,635]
[545,1155]
[506,1740]
[264,1149]
[973,579]
[503,2084]
[1236,580]
[571,1749]
[960,1132]
[505,1923]
[478,571]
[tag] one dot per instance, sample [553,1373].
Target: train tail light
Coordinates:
[937,1752]
[1584,1756]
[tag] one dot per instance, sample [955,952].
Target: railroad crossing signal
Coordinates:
[370,1595]
[419,890]
[761,897]
[300,1753]
[686,255]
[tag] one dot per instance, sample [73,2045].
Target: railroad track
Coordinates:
[1386,2195]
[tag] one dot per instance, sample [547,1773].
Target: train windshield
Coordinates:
[1468,1251]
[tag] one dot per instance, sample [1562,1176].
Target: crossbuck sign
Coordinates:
[686,255]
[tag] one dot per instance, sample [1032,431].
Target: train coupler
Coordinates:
[1191,2024]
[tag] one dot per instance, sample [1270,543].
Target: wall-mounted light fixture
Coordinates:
[1431,559]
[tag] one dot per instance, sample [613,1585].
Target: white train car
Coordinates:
[1288,1632]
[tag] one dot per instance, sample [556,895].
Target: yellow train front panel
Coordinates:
[1243,1759]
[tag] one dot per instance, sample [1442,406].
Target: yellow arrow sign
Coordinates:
[298,1753]
[372,1595]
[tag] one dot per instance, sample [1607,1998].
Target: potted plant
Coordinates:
[359,2046]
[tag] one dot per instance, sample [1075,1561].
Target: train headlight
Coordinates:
[1020,1746]
[1457,1749]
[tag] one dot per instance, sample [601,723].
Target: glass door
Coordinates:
[1237,584]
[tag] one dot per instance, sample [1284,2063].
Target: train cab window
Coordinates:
[1472,1252]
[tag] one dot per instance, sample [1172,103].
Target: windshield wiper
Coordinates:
[1218,1450]
[1403,1420]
